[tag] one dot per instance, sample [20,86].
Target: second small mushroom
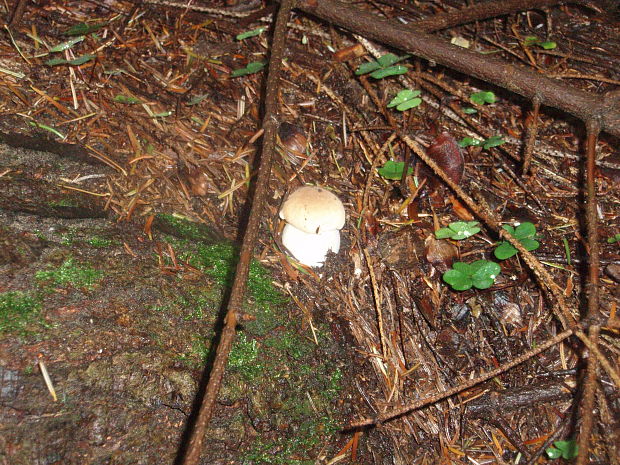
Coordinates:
[314,217]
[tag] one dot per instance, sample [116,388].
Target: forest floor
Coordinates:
[129,138]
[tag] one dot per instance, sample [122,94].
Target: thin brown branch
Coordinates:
[530,135]
[378,304]
[480,11]
[560,308]
[17,13]
[237,295]
[587,405]
[463,386]
[583,105]
[591,220]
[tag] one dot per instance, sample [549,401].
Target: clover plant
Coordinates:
[614,238]
[533,40]
[480,274]
[480,98]
[251,68]
[383,66]
[458,230]
[405,100]
[394,170]
[568,450]
[486,144]
[525,233]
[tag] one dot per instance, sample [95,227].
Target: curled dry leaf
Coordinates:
[400,250]
[439,253]
[445,151]
[198,181]
[293,141]
[461,210]
[349,53]
[371,224]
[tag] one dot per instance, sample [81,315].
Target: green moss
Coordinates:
[334,385]
[70,273]
[289,450]
[67,239]
[218,261]
[271,365]
[17,310]
[100,242]
[243,358]
[290,343]
[185,229]
[66,202]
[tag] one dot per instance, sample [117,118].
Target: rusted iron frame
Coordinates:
[583,105]
[237,294]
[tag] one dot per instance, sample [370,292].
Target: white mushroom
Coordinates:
[310,249]
[314,217]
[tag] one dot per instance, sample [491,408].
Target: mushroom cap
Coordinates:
[310,249]
[313,210]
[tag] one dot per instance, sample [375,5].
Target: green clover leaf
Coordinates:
[393,170]
[525,233]
[480,98]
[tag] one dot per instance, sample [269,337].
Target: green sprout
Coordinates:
[458,230]
[486,144]
[66,46]
[75,62]
[405,100]
[525,233]
[252,33]
[251,68]
[82,29]
[394,170]
[567,450]
[480,274]
[480,98]
[566,251]
[383,66]
[614,238]
[535,41]
[47,128]
[120,98]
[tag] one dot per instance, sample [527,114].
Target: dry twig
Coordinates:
[237,293]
